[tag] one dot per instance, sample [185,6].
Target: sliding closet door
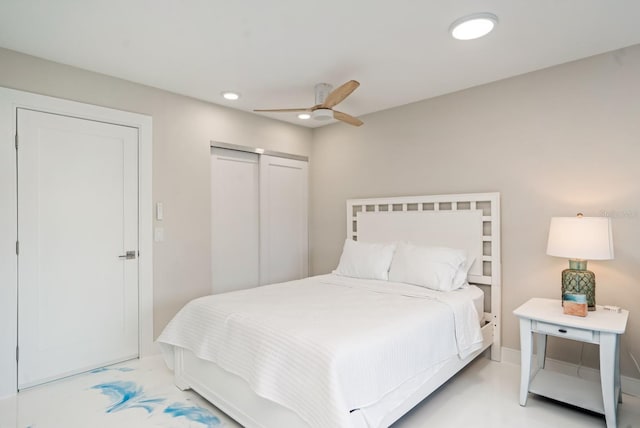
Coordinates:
[283,219]
[235,220]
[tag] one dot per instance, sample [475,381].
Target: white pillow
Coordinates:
[365,260]
[461,277]
[430,267]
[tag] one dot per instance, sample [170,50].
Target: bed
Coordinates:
[339,351]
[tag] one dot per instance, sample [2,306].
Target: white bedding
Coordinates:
[476,294]
[327,345]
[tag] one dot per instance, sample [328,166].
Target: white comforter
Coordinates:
[327,345]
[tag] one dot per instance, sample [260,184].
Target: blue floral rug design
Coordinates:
[136,394]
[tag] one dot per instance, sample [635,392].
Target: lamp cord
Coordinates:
[580,359]
[634,360]
[582,353]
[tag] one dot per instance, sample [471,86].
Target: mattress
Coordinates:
[342,342]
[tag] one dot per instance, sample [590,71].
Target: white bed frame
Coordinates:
[469,221]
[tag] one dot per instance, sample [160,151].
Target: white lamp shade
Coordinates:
[581,238]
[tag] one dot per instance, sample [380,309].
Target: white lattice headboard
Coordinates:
[466,221]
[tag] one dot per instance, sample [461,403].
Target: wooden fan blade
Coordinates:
[340,93]
[287,109]
[347,118]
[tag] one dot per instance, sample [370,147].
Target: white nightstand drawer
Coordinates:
[563,331]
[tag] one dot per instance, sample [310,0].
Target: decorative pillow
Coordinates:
[365,260]
[430,267]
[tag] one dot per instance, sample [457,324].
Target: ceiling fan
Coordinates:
[326,99]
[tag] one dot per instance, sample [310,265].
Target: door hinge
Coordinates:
[16,141]
[17,248]
[17,354]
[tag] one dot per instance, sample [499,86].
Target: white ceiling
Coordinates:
[274,51]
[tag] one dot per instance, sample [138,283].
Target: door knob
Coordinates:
[129,255]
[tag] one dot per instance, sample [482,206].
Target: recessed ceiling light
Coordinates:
[304,116]
[232,96]
[473,26]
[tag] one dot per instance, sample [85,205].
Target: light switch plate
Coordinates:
[159,211]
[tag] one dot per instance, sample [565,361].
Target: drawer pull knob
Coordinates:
[562,330]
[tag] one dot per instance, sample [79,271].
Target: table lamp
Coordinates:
[580,239]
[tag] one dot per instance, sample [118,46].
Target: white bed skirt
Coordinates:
[233,396]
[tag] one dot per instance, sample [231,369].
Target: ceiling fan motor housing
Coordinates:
[322,114]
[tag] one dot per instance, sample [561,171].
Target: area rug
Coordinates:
[138,394]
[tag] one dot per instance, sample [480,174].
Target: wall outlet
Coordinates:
[158,234]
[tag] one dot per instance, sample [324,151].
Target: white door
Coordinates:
[284,253]
[235,220]
[77,214]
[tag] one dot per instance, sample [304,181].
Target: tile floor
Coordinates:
[141,394]
[486,395]
[134,394]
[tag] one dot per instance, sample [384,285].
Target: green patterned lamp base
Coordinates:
[580,281]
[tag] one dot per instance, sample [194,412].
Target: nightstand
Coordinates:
[545,317]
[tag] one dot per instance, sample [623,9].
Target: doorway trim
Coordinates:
[238,147]
[10,101]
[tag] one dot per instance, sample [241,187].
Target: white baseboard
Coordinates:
[629,385]
[151,350]
[6,397]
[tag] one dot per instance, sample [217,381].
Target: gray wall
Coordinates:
[553,143]
[182,129]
